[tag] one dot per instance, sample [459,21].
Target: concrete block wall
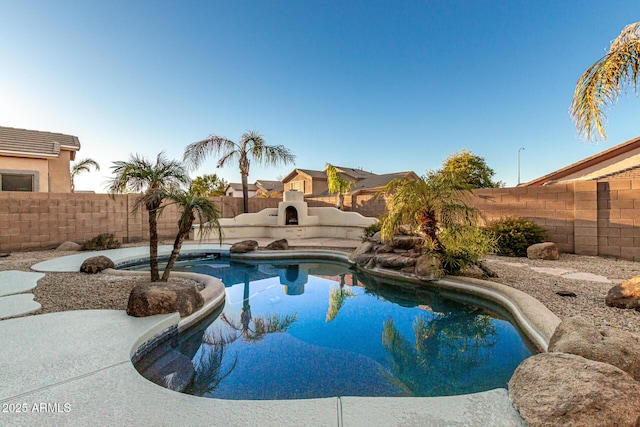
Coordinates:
[588,218]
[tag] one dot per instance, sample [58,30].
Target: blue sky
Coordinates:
[382,85]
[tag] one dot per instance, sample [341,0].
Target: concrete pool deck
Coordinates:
[74,368]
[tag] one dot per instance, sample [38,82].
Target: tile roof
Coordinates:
[23,142]
[595,161]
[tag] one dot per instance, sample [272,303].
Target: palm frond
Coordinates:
[600,85]
[195,153]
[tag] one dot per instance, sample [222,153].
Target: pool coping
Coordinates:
[438,411]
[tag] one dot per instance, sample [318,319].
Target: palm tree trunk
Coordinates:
[153,245]
[177,245]
[340,201]
[245,193]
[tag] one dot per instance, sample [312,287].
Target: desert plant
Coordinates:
[598,88]
[101,242]
[155,181]
[465,248]
[251,146]
[514,235]
[370,230]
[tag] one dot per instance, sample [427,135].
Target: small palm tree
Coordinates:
[191,207]
[598,88]
[155,181]
[82,166]
[251,146]
[432,203]
[337,184]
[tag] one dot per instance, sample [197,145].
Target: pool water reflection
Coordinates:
[292,330]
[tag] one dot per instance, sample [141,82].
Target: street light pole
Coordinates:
[519,150]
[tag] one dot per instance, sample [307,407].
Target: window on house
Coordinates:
[296,186]
[16,182]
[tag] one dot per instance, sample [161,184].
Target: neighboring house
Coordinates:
[269,188]
[36,161]
[314,182]
[619,162]
[235,190]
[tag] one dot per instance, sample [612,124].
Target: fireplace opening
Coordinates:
[291,216]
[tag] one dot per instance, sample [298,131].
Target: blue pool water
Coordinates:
[293,330]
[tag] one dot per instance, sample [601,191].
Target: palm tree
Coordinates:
[82,166]
[155,181]
[251,146]
[433,203]
[598,88]
[190,206]
[337,184]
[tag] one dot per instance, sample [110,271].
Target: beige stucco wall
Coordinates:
[26,165]
[59,173]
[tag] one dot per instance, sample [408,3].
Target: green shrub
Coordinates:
[371,230]
[514,235]
[463,247]
[101,242]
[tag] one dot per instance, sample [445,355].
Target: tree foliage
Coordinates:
[155,181]
[470,169]
[209,185]
[600,85]
[250,147]
[337,184]
[82,166]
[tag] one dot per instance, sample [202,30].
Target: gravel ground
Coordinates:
[79,291]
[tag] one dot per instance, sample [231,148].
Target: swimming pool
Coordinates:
[306,329]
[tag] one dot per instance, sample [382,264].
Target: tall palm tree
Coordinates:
[251,146]
[433,203]
[190,206]
[155,181]
[337,184]
[82,166]
[598,88]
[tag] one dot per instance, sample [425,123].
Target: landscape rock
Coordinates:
[394,261]
[546,251]
[557,389]
[278,245]
[614,346]
[625,295]
[68,246]
[566,293]
[407,242]
[243,247]
[364,248]
[363,259]
[96,264]
[428,267]
[405,229]
[376,238]
[383,249]
[149,299]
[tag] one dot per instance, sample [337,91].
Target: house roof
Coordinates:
[354,173]
[270,185]
[607,163]
[376,182]
[237,186]
[33,143]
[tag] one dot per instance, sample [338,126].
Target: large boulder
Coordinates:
[96,264]
[616,347]
[625,295]
[407,242]
[244,247]
[364,248]
[428,267]
[557,389]
[69,246]
[278,245]
[546,251]
[149,299]
[394,261]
